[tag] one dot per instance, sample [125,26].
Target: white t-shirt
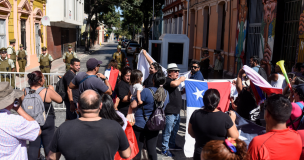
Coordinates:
[136,87]
[280,83]
[122,116]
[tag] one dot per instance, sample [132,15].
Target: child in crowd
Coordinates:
[229,149]
[135,89]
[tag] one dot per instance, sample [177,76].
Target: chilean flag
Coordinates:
[195,91]
[259,85]
[112,75]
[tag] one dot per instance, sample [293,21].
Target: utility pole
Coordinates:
[153,20]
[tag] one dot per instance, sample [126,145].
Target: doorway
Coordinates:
[37,38]
[23,33]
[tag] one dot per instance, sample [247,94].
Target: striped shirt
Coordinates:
[14,132]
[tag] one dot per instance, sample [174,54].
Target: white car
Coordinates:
[131,47]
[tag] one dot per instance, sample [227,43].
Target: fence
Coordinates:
[22,82]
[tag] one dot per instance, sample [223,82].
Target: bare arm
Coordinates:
[116,103]
[73,86]
[239,85]
[109,91]
[232,131]
[205,58]
[139,97]
[190,130]
[147,57]
[176,83]
[125,154]
[13,69]
[273,77]
[54,95]
[54,156]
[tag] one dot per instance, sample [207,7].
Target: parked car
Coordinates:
[131,47]
[124,44]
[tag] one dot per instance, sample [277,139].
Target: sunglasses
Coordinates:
[175,71]
[194,67]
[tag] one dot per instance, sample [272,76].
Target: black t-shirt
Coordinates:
[98,140]
[149,81]
[247,107]
[209,126]
[205,64]
[67,78]
[122,89]
[175,96]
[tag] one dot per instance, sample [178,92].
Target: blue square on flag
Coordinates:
[195,91]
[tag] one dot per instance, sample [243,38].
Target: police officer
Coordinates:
[22,58]
[6,65]
[45,61]
[120,57]
[68,56]
[11,51]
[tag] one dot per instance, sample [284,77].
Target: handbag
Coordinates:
[157,120]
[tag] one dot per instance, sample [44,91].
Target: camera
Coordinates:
[16,103]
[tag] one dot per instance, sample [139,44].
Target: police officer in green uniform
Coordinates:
[6,65]
[22,58]
[120,57]
[68,56]
[11,51]
[45,61]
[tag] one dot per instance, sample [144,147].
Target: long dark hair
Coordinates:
[156,66]
[113,63]
[159,80]
[107,111]
[34,78]
[211,99]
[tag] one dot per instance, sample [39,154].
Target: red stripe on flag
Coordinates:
[224,89]
[113,77]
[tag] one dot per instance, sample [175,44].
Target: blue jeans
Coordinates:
[170,131]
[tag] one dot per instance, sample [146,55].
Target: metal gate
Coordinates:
[2,33]
[290,35]
[37,39]
[253,40]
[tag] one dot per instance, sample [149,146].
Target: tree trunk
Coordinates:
[87,31]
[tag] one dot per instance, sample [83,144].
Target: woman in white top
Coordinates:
[277,79]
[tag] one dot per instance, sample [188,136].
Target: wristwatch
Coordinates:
[105,78]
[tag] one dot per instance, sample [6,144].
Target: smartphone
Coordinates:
[16,103]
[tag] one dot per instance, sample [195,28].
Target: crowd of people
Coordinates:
[99,113]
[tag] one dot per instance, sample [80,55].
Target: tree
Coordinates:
[142,14]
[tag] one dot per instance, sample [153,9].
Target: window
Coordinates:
[156,51]
[221,26]
[176,53]
[206,27]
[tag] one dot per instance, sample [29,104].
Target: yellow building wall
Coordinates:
[11,21]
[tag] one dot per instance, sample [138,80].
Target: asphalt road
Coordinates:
[104,53]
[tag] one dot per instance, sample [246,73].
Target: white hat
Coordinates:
[173,66]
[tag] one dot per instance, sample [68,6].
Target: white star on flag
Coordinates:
[198,93]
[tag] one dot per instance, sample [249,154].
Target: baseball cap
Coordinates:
[92,63]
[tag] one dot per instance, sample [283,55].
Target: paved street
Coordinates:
[105,55]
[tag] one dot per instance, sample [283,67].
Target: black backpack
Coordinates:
[263,73]
[157,120]
[60,88]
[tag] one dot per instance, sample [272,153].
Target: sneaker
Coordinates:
[176,148]
[167,153]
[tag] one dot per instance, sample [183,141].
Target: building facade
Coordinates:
[173,17]
[21,20]
[66,17]
[270,29]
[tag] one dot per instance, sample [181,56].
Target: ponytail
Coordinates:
[159,80]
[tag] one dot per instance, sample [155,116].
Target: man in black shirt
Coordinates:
[71,99]
[89,137]
[172,109]
[204,64]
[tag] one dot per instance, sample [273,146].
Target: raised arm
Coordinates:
[176,83]
[239,85]
[147,57]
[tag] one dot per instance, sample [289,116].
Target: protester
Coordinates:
[297,70]
[277,79]
[48,95]
[254,63]
[154,67]
[223,124]
[297,106]
[72,95]
[89,137]
[136,88]
[113,63]
[204,64]
[266,66]
[135,57]
[279,142]
[218,66]
[15,130]
[246,106]
[122,90]
[172,110]
[195,71]
[108,112]
[227,149]
[91,79]
[143,135]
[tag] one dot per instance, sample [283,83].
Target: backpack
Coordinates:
[263,73]
[60,88]
[33,105]
[157,120]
